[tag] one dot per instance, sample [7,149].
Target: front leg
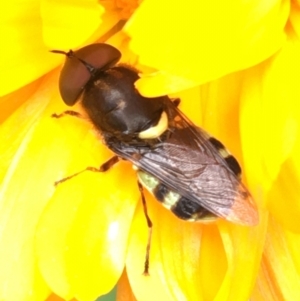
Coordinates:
[68,112]
[104,167]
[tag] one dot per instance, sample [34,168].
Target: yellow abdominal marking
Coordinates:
[171,199]
[224,153]
[157,130]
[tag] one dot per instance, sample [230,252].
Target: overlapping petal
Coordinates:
[22,206]
[202,41]
[278,278]
[23,57]
[124,292]
[283,198]
[270,105]
[88,243]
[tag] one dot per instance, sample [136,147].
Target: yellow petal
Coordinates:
[293,243]
[52,249]
[164,83]
[124,292]
[201,41]
[279,275]
[212,258]
[10,102]
[102,228]
[283,198]
[23,57]
[270,115]
[295,17]
[24,27]
[54,297]
[89,237]
[26,175]
[144,286]
[243,247]
[67,24]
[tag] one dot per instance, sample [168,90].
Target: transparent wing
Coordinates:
[186,162]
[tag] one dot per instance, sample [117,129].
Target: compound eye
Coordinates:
[79,66]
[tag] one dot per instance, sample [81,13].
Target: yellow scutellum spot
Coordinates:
[68,24]
[157,130]
[202,41]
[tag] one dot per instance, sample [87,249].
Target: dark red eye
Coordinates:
[80,65]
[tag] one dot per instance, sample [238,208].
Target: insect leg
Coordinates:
[68,112]
[149,224]
[104,167]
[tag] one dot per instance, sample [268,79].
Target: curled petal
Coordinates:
[201,40]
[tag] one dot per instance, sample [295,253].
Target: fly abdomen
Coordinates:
[191,211]
[182,207]
[231,162]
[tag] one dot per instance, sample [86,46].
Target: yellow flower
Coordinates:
[235,65]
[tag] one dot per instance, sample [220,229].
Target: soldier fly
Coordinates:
[188,171]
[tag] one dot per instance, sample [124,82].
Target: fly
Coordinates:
[188,171]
